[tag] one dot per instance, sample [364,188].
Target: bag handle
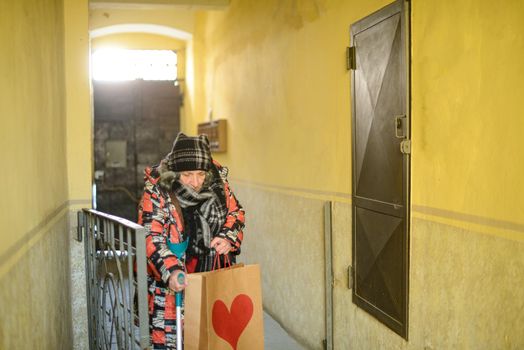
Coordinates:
[216,261]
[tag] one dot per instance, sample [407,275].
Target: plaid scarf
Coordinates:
[204,213]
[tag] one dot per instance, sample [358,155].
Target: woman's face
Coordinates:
[194,179]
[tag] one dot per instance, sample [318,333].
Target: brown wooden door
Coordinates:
[135,123]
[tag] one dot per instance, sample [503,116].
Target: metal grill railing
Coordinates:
[115,256]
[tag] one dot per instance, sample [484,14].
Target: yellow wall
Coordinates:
[34,269]
[265,72]
[275,70]
[467,116]
[195,72]
[32,102]
[79,150]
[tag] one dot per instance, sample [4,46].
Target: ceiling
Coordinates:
[158,3]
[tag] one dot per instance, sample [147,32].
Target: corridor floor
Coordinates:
[276,338]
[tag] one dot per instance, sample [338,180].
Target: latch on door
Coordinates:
[399,126]
[401,132]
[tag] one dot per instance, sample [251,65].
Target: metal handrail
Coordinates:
[116,276]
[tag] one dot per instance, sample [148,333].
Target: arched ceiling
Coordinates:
[141,28]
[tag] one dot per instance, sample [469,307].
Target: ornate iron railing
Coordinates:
[115,256]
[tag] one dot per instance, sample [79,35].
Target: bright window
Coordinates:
[120,64]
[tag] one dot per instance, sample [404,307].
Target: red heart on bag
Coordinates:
[230,325]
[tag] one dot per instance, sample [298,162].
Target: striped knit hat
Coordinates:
[190,153]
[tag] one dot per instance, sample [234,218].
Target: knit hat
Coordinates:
[189,153]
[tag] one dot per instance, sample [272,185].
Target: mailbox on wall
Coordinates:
[216,132]
[116,154]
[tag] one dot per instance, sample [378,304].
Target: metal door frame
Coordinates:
[402,6]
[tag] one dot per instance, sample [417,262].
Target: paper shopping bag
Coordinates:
[223,310]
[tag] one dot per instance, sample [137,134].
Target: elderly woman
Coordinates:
[213,217]
[187,196]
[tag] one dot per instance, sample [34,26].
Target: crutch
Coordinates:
[179,249]
[178,303]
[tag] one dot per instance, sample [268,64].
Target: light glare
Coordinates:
[121,64]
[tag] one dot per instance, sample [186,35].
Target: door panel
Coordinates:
[380,169]
[379,279]
[379,162]
[142,115]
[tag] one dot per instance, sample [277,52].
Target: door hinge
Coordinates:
[80,225]
[351,62]
[405,146]
[350,277]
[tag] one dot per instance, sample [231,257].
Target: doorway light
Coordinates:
[123,64]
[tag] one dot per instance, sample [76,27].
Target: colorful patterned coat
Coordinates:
[235,219]
[159,216]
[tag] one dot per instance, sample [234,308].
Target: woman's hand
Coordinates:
[221,245]
[174,281]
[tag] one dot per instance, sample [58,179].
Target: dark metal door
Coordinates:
[135,125]
[381,166]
